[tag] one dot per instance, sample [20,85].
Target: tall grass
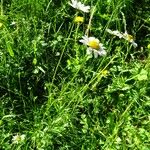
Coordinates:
[52,92]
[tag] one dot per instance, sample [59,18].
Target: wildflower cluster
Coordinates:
[93,44]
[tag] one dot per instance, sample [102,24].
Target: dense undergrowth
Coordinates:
[58,97]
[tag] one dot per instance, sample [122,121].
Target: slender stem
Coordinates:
[1,7]
[90,21]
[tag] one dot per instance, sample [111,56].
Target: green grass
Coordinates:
[52,92]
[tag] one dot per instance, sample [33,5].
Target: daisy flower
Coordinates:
[116,33]
[18,138]
[129,38]
[125,36]
[94,46]
[78,5]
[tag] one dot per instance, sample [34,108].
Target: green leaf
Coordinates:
[142,75]
[9,49]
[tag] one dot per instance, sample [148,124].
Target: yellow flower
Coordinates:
[104,73]
[128,37]
[78,19]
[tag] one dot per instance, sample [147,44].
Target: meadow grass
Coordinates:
[53,96]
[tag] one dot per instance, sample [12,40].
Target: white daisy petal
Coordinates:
[116,33]
[84,40]
[93,38]
[96,54]
[78,5]
[102,53]
[89,51]
[125,36]
[134,44]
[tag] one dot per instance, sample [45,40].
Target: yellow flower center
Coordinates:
[78,19]
[18,138]
[94,44]
[129,37]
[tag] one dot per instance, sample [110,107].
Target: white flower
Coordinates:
[116,33]
[13,23]
[78,5]
[94,46]
[57,54]
[125,36]
[18,138]
[129,38]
